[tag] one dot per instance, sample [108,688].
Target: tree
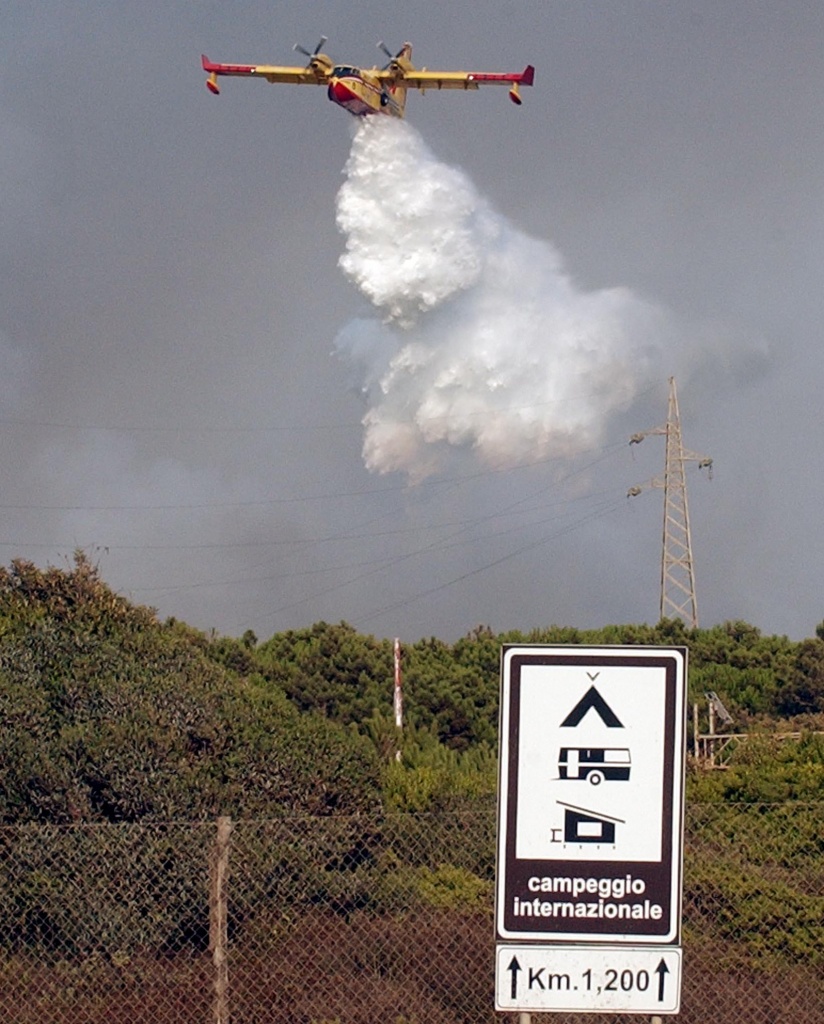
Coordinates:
[803,691]
[110,715]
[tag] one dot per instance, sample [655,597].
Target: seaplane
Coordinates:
[363,91]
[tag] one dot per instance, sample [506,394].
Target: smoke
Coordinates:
[483,343]
[16,376]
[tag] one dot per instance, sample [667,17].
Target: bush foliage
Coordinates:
[111,715]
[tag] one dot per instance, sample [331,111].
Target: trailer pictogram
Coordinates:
[595,764]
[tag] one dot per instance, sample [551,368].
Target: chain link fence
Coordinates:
[363,919]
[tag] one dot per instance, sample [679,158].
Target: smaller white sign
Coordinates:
[588,979]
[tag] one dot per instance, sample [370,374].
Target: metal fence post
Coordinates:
[219,918]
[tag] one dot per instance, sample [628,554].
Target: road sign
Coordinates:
[590,830]
[594,979]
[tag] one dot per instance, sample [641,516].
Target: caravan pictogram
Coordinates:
[595,764]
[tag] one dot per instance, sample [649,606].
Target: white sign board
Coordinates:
[590,830]
[588,979]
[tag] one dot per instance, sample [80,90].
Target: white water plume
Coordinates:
[484,343]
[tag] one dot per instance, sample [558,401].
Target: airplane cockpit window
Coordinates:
[343,72]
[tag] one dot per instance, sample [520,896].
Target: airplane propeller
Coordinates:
[392,56]
[302,49]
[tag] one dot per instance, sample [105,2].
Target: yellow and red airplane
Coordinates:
[368,90]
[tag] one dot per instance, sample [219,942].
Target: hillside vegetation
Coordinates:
[109,714]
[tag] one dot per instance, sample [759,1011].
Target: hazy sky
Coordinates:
[195,392]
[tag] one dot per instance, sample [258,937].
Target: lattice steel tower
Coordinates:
[677,569]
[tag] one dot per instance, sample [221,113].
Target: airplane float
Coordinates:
[374,90]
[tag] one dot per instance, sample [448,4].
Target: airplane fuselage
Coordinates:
[360,93]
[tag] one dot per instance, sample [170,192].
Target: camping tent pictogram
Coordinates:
[592,700]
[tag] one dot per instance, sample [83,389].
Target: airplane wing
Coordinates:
[270,72]
[424,80]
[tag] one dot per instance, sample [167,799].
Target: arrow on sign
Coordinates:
[514,966]
[662,971]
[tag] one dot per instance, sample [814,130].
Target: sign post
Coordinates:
[590,829]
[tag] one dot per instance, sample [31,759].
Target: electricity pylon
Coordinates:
[677,569]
